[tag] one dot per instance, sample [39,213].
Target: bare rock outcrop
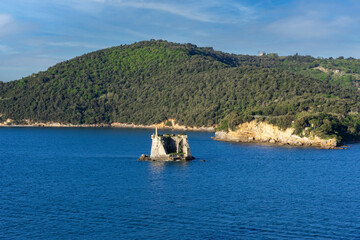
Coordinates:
[263,132]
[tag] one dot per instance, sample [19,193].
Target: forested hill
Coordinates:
[152,81]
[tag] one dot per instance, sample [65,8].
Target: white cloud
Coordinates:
[180,10]
[96,1]
[93,7]
[306,27]
[16,66]
[209,11]
[203,11]
[5,19]
[4,49]
[304,20]
[75,44]
[8,25]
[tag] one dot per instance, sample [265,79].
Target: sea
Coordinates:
[86,183]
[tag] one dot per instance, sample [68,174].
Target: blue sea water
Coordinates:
[86,183]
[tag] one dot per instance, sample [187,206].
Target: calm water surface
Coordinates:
[86,184]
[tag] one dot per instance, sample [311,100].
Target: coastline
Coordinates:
[261,132]
[112,125]
[250,132]
[282,144]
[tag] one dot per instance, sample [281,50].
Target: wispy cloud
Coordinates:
[4,49]
[204,11]
[5,19]
[176,9]
[7,25]
[315,20]
[306,27]
[76,44]
[17,66]
[90,1]
[210,11]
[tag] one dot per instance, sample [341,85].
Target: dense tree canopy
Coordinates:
[149,82]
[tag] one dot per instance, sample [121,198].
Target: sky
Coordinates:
[36,34]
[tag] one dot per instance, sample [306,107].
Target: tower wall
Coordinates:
[157,148]
[170,147]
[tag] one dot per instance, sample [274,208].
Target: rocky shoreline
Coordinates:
[261,132]
[249,132]
[162,125]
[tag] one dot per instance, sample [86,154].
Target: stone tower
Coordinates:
[170,147]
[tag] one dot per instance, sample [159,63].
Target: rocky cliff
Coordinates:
[262,132]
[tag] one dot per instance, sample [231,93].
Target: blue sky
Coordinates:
[36,34]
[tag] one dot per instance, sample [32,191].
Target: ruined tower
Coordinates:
[170,147]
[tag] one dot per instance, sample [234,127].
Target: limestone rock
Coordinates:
[264,132]
[144,157]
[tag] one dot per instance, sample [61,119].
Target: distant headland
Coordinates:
[152,83]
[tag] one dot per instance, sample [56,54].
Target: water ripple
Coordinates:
[75,187]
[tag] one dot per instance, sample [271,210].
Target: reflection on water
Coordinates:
[157,167]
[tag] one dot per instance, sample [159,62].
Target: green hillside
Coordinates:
[152,81]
